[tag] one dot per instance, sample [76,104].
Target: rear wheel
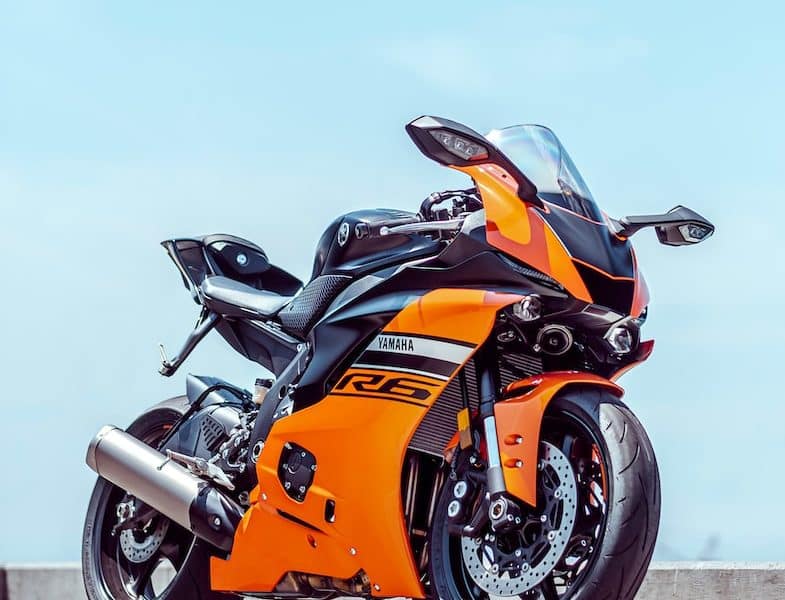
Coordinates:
[158,560]
[593,532]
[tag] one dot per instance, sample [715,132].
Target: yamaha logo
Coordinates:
[343,234]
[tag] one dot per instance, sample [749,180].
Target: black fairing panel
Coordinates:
[257,345]
[343,333]
[615,294]
[362,253]
[592,243]
[230,256]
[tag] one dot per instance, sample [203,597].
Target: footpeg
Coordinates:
[202,468]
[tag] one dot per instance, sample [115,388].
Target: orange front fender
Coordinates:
[518,421]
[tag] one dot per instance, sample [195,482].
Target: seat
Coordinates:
[235,294]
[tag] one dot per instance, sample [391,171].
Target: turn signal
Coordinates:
[459,146]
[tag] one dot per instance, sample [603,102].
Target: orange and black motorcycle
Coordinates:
[444,420]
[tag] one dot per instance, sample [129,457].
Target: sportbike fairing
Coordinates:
[604,261]
[360,432]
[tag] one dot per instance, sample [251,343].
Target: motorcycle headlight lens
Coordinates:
[460,147]
[620,339]
[528,309]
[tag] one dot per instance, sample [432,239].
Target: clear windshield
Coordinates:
[538,153]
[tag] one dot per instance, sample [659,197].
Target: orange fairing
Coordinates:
[518,426]
[359,434]
[517,229]
[640,298]
[642,354]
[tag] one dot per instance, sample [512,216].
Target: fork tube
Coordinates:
[488,388]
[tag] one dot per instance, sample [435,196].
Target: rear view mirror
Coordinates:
[454,145]
[680,226]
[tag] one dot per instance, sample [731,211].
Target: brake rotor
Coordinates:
[140,549]
[511,564]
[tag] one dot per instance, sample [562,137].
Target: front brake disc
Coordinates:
[512,564]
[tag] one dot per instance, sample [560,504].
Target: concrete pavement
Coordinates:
[665,581]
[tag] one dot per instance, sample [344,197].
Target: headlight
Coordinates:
[620,338]
[528,309]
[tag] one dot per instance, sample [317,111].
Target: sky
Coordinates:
[124,124]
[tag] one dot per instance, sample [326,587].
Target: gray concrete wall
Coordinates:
[666,581]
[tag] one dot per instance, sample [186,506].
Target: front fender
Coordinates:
[518,421]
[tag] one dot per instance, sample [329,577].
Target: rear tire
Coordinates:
[107,573]
[624,535]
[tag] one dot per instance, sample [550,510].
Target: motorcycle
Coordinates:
[444,421]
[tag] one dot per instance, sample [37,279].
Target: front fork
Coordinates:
[503,511]
[512,430]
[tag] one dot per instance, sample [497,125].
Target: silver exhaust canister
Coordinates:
[168,487]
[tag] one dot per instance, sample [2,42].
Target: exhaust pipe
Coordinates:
[164,485]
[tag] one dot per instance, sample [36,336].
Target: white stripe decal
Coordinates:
[417,346]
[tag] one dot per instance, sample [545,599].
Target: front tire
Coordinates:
[178,565]
[616,522]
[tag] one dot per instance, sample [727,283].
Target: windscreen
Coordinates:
[537,152]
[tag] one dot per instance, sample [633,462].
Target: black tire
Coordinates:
[106,573]
[626,532]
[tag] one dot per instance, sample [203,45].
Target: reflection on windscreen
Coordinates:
[537,152]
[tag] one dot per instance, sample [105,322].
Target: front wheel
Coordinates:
[592,534]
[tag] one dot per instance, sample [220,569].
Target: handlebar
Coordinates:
[423,226]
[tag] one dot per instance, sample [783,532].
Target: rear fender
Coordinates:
[518,422]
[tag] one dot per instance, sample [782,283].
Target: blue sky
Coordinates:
[125,124]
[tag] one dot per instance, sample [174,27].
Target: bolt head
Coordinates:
[460,489]
[217,521]
[543,518]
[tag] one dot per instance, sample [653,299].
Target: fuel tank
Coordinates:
[351,245]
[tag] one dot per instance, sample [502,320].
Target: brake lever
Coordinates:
[449,225]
